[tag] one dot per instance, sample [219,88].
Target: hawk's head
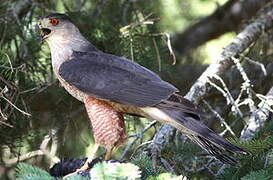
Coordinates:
[62,35]
[55,25]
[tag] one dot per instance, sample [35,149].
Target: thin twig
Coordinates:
[246,85]
[24,157]
[41,151]
[168,42]
[131,47]
[140,146]
[258,117]
[170,47]
[6,124]
[157,55]
[222,121]
[167,165]
[256,63]
[125,31]
[138,136]
[2,114]
[225,92]
[10,64]
[23,112]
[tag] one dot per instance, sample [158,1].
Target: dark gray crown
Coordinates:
[59,16]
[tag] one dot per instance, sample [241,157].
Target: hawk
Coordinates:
[111,86]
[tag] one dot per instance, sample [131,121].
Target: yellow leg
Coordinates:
[93,154]
[89,160]
[108,154]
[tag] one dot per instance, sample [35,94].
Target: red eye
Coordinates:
[54,21]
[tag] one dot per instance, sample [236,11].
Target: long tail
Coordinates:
[186,117]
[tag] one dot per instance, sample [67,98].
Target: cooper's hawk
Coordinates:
[111,86]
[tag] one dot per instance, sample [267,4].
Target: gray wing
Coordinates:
[113,78]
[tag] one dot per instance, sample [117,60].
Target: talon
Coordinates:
[83,168]
[87,162]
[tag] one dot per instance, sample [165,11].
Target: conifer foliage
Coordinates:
[40,123]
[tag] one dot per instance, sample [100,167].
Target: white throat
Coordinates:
[60,49]
[62,46]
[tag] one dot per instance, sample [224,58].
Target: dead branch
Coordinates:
[14,106]
[225,92]
[258,117]
[39,152]
[201,87]
[222,121]
[24,157]
[226,18]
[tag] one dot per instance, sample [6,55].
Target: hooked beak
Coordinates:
[44,32]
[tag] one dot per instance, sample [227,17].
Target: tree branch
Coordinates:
[258,117]
[39,152]
[226,18]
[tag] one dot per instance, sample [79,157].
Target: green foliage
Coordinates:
[115,171]
[166,176]
[76,177]
[146,166]
[258,164]
[261,174]
[28,172]
[101,171]
[183,157]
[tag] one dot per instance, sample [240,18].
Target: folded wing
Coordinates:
[113,78]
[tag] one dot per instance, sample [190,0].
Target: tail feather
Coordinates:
[213,149]
[188,121]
